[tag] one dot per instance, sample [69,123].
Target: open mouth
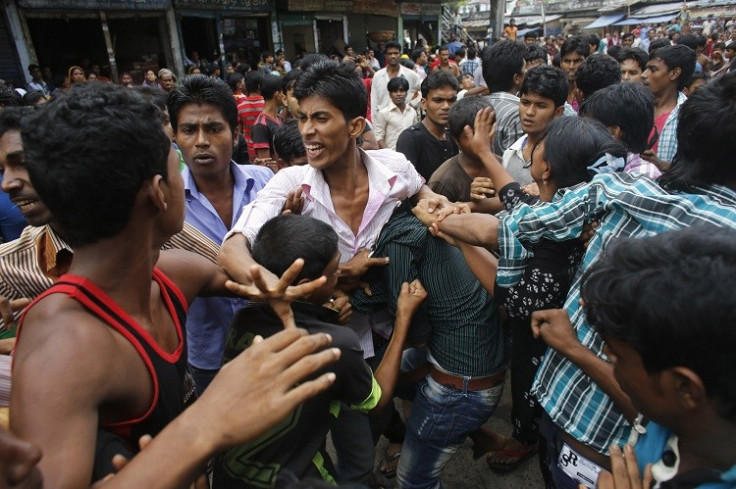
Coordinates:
[314,149]
[204,158]
[26,205]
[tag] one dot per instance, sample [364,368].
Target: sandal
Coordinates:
[515,457]
[389,463]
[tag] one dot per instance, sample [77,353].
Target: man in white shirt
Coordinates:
[379,86]
[392,120]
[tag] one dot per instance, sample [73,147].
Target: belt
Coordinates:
[475,384]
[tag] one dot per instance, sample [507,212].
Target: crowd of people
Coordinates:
[201,280]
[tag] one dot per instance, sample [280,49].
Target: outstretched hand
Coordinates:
[624,471]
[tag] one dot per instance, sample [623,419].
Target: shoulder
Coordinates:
[393,160]
[258,173]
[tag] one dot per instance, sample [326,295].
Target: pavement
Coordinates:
[462,472]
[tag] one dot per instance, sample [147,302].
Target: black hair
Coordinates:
[630,106]
[531,35]
[407,62]
[33,66]
[155,95]
[574,143]
[233,79]
[575,44]
[501,62]
[9,97]
[593,40]
[287,141]
[202,89]
[270,85]
[397,83]
[289,80]
[677,56]
[693,41]
[253,80]
[548,82]
[627,35]
[439,79]
[596,72]
[119,133]
[295,236]
[472,52]
[638,55]
[265,54]
[31,98]
[658,44]
[614,51]
[10,118]
[535,52]
[416,54]
[311,59]
[460,52]
[624,290]
[696,76]
[705,142]
[463,112]
[556,60]
[391,44]
[338,83]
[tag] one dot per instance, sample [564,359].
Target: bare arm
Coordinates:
[387,373]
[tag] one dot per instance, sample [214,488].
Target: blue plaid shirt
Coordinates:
[667,145]
[627,206]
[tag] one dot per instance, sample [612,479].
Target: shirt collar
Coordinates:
[519,143]
[53,254]
[505,96]
[242,184]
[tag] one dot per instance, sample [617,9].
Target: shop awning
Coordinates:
[604,21]
[650,20]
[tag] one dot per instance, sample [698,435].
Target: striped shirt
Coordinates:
[391,179]
[248,110]
[508,129]
[667,142]
[30,264]
[627,206]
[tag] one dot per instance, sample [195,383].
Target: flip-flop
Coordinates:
[392,461]
[517,456]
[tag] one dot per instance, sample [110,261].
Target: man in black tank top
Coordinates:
[105,346]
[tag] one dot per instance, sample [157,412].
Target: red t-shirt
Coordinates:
[248,110]
[659,125]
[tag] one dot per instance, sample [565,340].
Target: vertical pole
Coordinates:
[110,47]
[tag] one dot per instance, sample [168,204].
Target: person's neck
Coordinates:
[667,101]
[401,107]
[344,176]
[533,138]
[435,130]
[547,191]
[393,70]
[571,91]
[215,184]
[708,444]
[471,166]
[271,108]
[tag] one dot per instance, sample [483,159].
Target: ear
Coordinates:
[616,132]
[235,137]
[423,104]
[159,193]
[559,110]
[689,388]
[518,79]
[675,74]
[356,126]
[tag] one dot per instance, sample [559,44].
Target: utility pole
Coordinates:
[498,8]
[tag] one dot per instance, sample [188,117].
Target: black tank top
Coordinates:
[168,371]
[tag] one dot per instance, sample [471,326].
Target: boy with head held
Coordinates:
[298,445]
[104,347]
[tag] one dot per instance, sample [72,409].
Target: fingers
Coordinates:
[284,312]
[294,292]
[280,340]
[304,347]
[404,288]
[632,467]
[307,364]
[377,262]
[307,390]
[290,274]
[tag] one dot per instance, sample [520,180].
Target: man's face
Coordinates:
[398,97]
[36,73]
[444,55]
[17,183]
[174,214]
[658,77]
[269,60]
[167,82]
[291,102]
[422,59]
[627,42]
[205,139]
[570,63]
[350,52]
[438,104]
[126,80]
[730,52]
[530,40]
[392,56]
[324,293]
[630,71]
[325,133]
[535,113]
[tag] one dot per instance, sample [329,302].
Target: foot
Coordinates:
[510,456]
[390,460]
[485,440]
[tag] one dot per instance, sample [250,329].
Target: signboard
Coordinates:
[375,7]
[338,6]
[421,9]
[305,5]
[249,5]
[97,4]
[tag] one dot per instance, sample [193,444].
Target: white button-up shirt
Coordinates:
[390,121]
[379,88]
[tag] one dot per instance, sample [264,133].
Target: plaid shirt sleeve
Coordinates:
[667,146]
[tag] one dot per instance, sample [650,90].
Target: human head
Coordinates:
[669,68]
[633,62]
[730,51]
[297,236]
[531,37]
[392,51]
[572,145]
[288,145]
[150,76]
[573,52]
[236,82]
[536,55]
[253,80]
[91,76]
[657,44]
[397,87]
[8,97]
[466,81]
[697,80]
[463,114]
[622,291]
[291,103]
[627,110]
[338,84]
[542,98]
[35,71]
[126,79]
[503,66]
[705,142]
[627,40]
[74,75]
[593,43]
[120,134]
[695,42]
[596,72]
[16,181]
[34,98]
[271,88]
[472,52]
[200,89]
[167,79]
[267,57]
[419,56]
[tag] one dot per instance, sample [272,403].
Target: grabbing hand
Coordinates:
[410,297]
[652,158]
[624,471]
[294,203]
[481,188]
[352,270]
[554,327]
[340,303]
[482,132]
